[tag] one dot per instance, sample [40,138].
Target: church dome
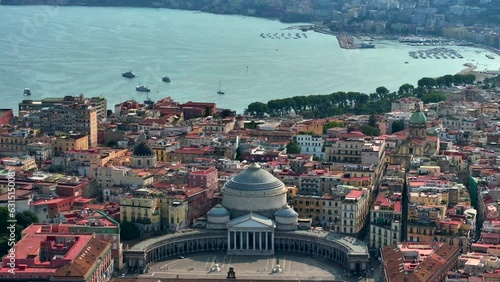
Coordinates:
[143,149]
[286,212]
[218,211]
[418,118]
[254,178]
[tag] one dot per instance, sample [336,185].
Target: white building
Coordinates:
[407,104]
[310,144]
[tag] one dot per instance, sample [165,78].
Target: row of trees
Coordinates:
[319,106]
[446,80]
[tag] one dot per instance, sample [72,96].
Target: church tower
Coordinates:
[418,124]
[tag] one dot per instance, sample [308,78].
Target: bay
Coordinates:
[59,51]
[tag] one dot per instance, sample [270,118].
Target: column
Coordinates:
[265,241]
[272,241]
[241,240]
[228,240]
[253,238]
[248,240]
[234,240]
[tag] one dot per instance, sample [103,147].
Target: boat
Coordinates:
[148,101]
[406,62]
[27,92]
[128,74]
[166,79]
[489,56]
[142,88]
[220,92]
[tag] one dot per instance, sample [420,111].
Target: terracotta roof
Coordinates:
[85,260]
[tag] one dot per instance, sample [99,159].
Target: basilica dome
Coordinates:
[254,190]
[254,178]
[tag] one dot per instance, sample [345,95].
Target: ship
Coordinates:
[166,79]
[489,56]
[27,92]
[364,45]
[142,88]
[128,74]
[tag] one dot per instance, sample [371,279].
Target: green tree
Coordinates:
[227,113]
[382,91]
[24,219]
[406,89]
[257,109]
[372,121]
[292,148]
[129,231]
[370,130]
[397,126]
[332,124]
[109,113]
[433,97]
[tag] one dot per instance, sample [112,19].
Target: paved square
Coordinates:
[293,267]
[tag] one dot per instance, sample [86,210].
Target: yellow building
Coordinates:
[309,207]
[15,144]
[108,176]
[94,158]
[314,126]
[141,209]
[161,153]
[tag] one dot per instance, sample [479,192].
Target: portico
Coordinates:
[251,234]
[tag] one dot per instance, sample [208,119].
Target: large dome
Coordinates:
[254,178]
[143,149]
[418,118]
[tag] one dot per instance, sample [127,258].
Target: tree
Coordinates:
[227,113]
[257,109]
[292,148]
[332,124]
[372,121]
[129,231]
[382,91]
[370,130]
[406,89]
[397,126]
[109,113]
[433,97]
[24,219]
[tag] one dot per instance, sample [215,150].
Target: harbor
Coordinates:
[435,53]
[284,35]
[347,41]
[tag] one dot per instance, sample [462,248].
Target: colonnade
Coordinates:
[250,242]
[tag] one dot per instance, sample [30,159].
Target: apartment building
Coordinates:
[407,104]
[110,175]
[347,150]
[456,123]
[15,144]
[310,144]
[142,209]
[355,208]
[99,103]
[77,118]
[86,162]
[386,220]
[318,181]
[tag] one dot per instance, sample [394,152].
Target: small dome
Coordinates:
[418,118]
[286,212]
[217,211]
[254,178]
[143,149]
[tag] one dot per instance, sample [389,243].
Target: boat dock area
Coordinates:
[347,41]
[284,35]
[435,53]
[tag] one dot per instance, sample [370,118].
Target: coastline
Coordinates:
[346,40]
